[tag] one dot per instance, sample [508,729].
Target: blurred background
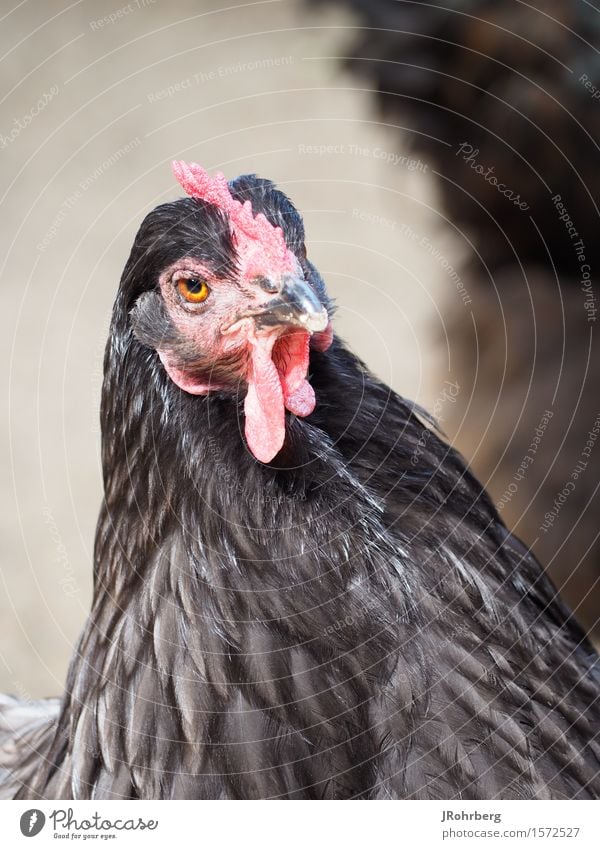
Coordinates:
[445,158]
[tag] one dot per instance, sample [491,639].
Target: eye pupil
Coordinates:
[194,286]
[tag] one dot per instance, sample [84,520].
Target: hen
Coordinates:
[299,590]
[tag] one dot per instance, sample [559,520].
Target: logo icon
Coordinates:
[32,822]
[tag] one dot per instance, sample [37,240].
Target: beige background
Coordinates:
[71,198]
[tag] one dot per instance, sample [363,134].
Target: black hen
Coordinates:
[350,619]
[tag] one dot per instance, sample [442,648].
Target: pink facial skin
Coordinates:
[273,361]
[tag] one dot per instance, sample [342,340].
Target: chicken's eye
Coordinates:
[193,289]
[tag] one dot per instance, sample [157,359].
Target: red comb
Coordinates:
[198,183]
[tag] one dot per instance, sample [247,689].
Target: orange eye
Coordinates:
[193,289]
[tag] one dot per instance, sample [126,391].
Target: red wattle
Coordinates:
[303,401]
[263,407]
[290,355]
[276,382]
[323,339]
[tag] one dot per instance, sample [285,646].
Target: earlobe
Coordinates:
[188,382]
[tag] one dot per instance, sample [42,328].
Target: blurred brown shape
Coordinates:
[518,88]
[542,470]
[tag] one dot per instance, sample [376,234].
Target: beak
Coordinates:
[297,304]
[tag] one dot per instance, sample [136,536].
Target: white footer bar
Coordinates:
[305,825]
